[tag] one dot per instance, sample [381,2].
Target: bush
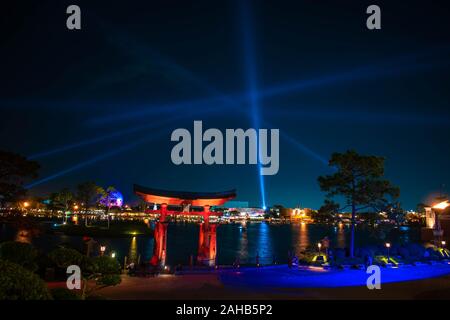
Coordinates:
[416,250]
[64,294]
[339,254]
[64,257]
[306,257]
[106,265]
[18,283]
[349,261]
[110,270]
[23,254]
[404,253]
[364,252]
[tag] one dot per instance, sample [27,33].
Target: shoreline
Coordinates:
[431,281]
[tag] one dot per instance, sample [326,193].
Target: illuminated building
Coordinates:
[437,222]
[296,214]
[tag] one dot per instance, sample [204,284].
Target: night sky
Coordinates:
[100,103]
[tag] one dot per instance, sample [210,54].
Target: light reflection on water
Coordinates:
[340,239]
[300,240]
[269,241]
[133,252]
[23,236]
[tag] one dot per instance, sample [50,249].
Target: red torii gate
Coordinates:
[207,236]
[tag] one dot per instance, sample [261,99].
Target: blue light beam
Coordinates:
[251,80]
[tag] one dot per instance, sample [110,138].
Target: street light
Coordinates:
[113,255]
[102,249]
[320,246]
[443,243]
[388,245]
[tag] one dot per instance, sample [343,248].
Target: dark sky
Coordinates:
[108,96]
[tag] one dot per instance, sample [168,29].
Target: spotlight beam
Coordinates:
[344,116]
[87,142]
[235,100]
[90,162]
[114,152]
[251,80]
[400,65]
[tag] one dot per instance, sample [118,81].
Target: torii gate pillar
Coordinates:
[207,240]
[160,239]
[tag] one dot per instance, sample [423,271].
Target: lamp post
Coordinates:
[319,245]
[388,245]
[443,243]
[102,250]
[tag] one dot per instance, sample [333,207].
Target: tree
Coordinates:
[97,272]
[18,283]
[23,254]
[88,194]
[327,211]
[64,200]
[15,170]
[397,214]
[359,180]
[110,198]
[64,257]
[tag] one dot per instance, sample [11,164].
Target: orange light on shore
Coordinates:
[442,205]
[26,204]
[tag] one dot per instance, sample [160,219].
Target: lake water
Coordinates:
[233,240]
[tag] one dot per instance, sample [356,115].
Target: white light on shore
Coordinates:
[442,205]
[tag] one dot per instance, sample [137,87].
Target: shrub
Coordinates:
[64,257]
[18,283]
[339,254]
[404,253]
[306,257]
[110,270]
[23,254]
[416,250]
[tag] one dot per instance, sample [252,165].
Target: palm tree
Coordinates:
[64,198]
[87,194]
[108,199]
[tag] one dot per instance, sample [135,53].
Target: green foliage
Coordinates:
[64,294]
[88,193]
[104,270]
[23,254]
[348,261]
[106,265]
[358,179]
[109,270]
[14,170]
[326,212]
[307,257]
[18,283]
[64,257]
[63,198]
